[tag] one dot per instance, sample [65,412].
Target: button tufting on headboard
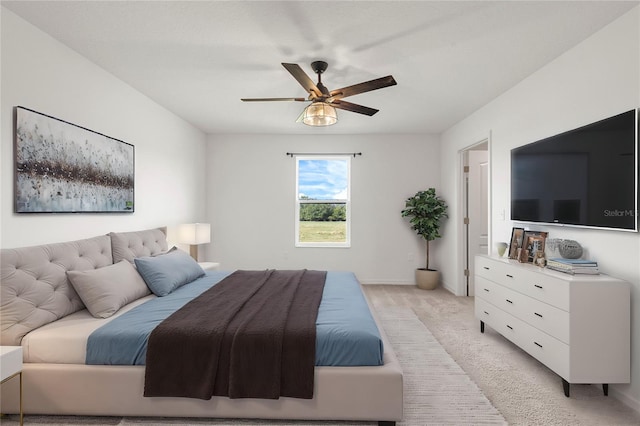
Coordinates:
[34,289]
[129,245]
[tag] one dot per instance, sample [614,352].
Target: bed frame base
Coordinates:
[341,393]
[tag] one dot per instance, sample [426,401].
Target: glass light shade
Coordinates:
[194,233]
[320,114]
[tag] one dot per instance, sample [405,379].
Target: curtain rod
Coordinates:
[292,154]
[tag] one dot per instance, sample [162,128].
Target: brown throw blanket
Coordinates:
[252,335]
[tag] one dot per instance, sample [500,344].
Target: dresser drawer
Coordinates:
[488,290]
[553,321]
[540,315]
[494,318]
[491,269]
[544,287]
[548,350]
[525,279]
[504,323]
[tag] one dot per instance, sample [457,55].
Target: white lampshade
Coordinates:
[320,114]
[194,233]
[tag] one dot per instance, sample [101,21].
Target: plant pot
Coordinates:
[427,279]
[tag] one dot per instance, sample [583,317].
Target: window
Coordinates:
[322,201]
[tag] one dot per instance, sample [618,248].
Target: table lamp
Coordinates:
[194,234]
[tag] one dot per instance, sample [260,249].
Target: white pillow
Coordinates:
[105,290]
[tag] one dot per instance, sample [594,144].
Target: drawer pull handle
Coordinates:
[486,312]
[509,301]
[509,327]
[487,290]
[538,314]
[537,286]
[538,344]
[486,267]
[510,276]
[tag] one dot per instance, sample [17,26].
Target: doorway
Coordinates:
[476,208]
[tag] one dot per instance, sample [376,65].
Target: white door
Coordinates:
[478,213]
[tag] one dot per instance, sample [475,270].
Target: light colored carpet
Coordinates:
[521,388]
[437,390]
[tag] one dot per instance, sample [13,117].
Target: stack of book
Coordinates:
[573,266]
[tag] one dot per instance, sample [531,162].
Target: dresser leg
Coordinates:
[565,385]
[605,389]
[481,326]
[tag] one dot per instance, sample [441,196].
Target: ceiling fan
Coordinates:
[321,111]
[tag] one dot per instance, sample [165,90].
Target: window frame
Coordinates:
[346,202]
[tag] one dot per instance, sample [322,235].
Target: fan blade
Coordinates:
[367,86]
[303,79]
[348,106]
[273,99]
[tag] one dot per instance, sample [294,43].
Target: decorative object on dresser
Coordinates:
[551,247]
[517,235]
[539,259]
[570,249]
[64,168]
[578,326]
[533,243]
[501,248]
[574,266]
[194,234]
[425,210]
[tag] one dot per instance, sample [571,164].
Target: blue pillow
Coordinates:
[165,273]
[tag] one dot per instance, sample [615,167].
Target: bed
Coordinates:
[42,311]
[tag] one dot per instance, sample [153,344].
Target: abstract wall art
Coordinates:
[61,167]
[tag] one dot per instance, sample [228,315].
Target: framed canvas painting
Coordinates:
[61,167]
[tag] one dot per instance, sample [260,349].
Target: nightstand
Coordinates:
[209,266]
[11,366]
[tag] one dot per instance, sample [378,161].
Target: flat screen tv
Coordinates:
[584,177]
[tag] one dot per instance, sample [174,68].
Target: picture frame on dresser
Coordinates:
[517,235]
[533,242]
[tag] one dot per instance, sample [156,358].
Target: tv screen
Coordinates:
[583,177]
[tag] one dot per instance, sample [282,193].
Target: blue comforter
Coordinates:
[346,334]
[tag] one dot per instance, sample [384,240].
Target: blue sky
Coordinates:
[323,179]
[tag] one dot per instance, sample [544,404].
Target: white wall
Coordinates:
[44,75]
[598,78]
[251,195]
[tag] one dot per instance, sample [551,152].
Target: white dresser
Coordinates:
[577,325]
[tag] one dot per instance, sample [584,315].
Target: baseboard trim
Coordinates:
[372,281]
[625,398]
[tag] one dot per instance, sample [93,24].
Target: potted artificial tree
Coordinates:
[425,210]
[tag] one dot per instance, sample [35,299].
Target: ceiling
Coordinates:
[198,58]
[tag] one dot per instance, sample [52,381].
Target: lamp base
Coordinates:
[193,251]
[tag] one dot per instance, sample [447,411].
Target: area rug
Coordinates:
[436,390]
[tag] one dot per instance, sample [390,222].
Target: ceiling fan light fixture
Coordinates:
[320,114]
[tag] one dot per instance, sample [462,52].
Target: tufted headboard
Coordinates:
[129,245]
[34,288]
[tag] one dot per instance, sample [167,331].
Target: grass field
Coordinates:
[323,232]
